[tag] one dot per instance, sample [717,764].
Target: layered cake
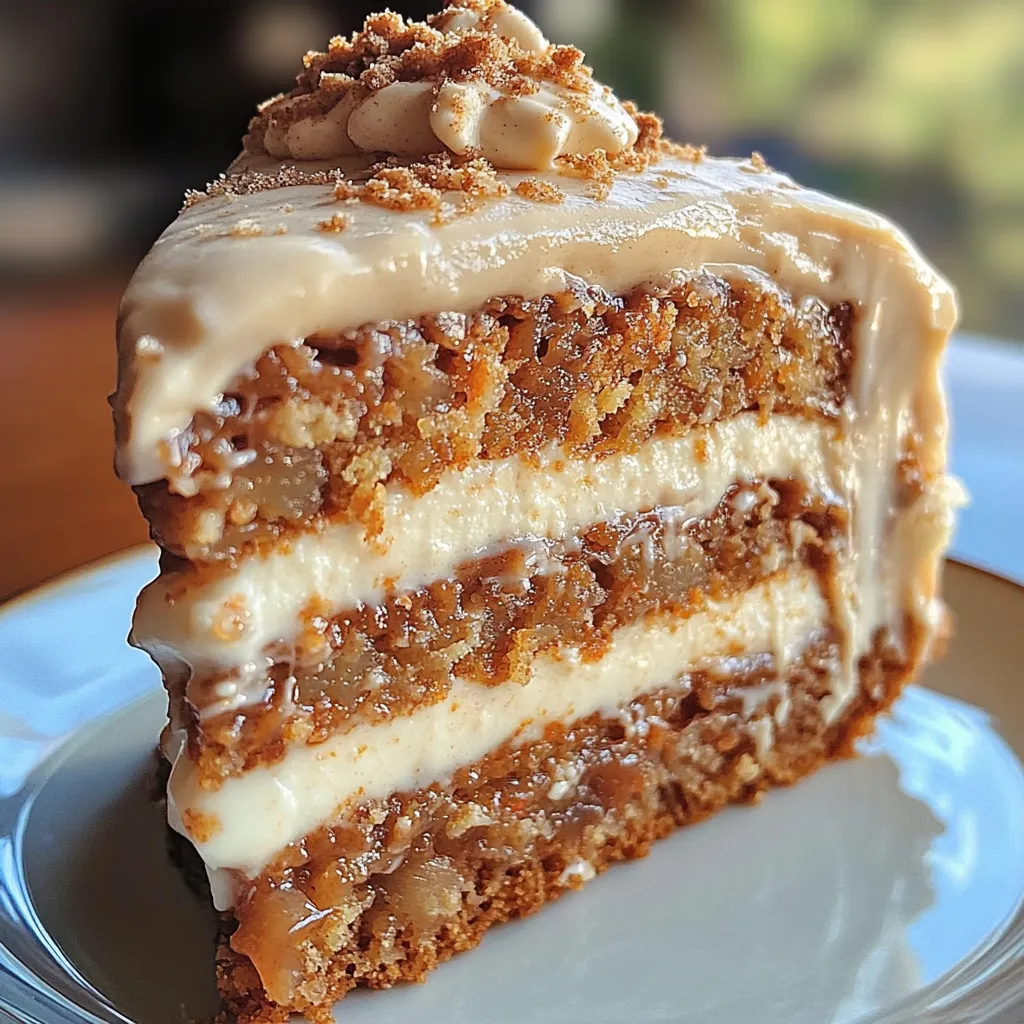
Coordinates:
[527,486]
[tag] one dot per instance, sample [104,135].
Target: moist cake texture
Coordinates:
[527,485]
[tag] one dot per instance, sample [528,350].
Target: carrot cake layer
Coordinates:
[492,617]
[387,893]
[313,429]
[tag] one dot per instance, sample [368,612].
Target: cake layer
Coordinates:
[492,618]
[247,821]
[320,429]
[213,621]
[385,897]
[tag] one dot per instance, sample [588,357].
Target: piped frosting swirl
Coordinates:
[477,79]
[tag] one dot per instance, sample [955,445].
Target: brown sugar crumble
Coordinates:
[594,167]
[337,222]
[539,191]
[422,186]
[390,49]
[757,164]
[246,229]
[201,827]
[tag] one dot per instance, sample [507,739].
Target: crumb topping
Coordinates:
[539,191]
[423,186]
[354,101]
[757,165]
[337,222]
[412,88]
[246,228]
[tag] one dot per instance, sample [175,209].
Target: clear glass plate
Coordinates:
[884,889]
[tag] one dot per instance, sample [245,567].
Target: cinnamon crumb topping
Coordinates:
[337,222]
[594,167]
[414,88]
[246,228]
[539,191]
[757,164]
[422,186]
[683,151]
[247,183]
[201,827]
[389,49]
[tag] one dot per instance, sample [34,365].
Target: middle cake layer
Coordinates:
[490,620]
[246,821]
[208,621]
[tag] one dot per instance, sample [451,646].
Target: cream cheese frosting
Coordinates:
[207,300]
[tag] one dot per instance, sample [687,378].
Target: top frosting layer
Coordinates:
[272,259]
[478,79]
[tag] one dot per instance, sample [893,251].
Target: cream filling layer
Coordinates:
[250,818]
[227,623]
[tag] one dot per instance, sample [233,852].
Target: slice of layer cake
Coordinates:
[528,486]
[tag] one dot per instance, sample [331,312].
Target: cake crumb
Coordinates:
[684,151]
[539,191]
[757,164]
[337,222]
[422,186]
[246,228]
[594,167]
[200,827]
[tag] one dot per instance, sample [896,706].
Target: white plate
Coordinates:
[887,888]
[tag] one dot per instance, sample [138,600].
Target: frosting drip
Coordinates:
[478,80]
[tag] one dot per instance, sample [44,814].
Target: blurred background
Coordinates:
[110,109]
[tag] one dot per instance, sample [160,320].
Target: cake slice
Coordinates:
[528,486]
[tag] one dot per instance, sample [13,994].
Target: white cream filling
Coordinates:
[258,813]
[228,622]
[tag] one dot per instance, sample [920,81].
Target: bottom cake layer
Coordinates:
[385,897]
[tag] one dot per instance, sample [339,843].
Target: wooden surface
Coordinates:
[60,504]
